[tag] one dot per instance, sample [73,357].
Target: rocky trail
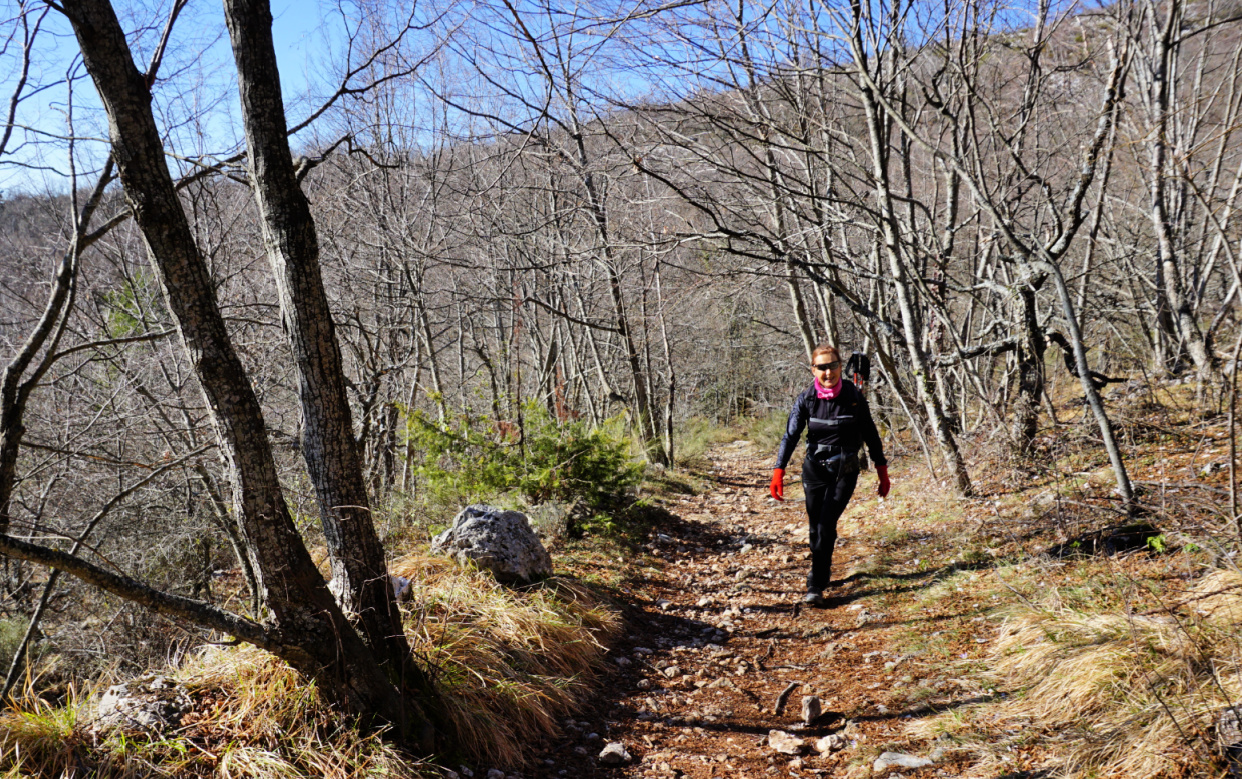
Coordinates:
[722,672]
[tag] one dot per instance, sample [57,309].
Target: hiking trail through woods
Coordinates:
[718,651]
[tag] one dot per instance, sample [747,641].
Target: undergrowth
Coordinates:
[11,632]
[475,459]
[1102,692]
[507,663]
[1107,662]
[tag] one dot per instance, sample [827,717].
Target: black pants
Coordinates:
[828,490]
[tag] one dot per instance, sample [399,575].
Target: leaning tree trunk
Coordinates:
[359,572]
[648,415]
[302,622]
[1124,488]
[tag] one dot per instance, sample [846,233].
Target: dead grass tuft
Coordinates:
[257,718]
[508,663]
[253,717]
[1113,694]
[38,739]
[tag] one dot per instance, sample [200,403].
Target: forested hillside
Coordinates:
[255,347]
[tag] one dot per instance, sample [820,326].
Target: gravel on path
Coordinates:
[719,633]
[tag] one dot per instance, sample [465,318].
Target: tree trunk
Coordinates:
[359,572]
[1177,308]
[1031,348]
[648,417]
[799,308]
[1124,488]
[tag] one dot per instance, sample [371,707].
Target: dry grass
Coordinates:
[37,739]
[257,718]
[509,665]
[253,717]
[1112,695]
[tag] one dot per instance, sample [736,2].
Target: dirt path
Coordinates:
[717,633]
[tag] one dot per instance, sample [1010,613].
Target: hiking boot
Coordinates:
[814,600]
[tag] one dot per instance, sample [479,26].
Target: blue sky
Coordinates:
[196,100]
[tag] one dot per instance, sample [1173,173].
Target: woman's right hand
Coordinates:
[777,487]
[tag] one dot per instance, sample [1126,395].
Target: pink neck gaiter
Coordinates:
[827,393]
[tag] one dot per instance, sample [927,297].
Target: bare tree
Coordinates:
[301,622]
[359,571]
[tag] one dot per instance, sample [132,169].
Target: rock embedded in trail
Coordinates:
[898,760]
[614,753]
[831,743]
[812,709]
[501,542]
[866,617]
[785,743]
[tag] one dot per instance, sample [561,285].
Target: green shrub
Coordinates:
[11,632]
[128,307]
[473,459]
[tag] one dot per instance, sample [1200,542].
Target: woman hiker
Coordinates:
[838,422]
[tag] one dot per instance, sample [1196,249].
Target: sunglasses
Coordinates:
[828,366]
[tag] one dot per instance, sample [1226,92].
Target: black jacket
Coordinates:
[842,424]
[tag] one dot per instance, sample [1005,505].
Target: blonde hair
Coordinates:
[825,348]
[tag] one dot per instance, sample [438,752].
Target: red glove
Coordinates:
[882,472]
[778,487]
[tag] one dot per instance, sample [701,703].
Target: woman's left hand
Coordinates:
[884,486]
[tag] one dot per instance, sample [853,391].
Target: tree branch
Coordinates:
[198,612]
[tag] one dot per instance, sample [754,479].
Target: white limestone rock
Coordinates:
[614,753]
[812,709]
[151,705]
[898,760]
[498,541]
[785,743]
